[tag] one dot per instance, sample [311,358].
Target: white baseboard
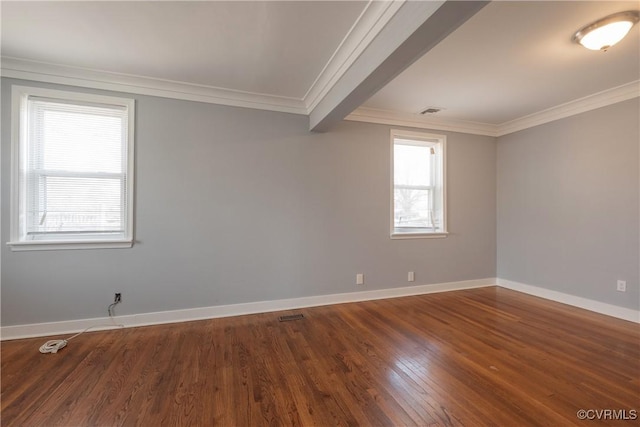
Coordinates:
[587,304]
[174,316]
[202,313]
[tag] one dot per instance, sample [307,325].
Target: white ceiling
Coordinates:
[508,61]
[268,47]
[513,59]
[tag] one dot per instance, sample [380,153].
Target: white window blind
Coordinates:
[74,174]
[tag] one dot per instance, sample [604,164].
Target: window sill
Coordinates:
[401,236]
[64,245]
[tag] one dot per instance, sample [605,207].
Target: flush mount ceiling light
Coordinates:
[606,32]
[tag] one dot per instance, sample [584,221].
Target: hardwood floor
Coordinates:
[477,357]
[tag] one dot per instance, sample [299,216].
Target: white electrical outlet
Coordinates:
[622,286]
[359,279]
[411,277]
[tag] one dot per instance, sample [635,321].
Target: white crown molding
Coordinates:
[591,102]
[587,304]
[370,115]
[174,316]
[83,77]
[339,63]
[370,22]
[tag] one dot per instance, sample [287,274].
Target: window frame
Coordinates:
[421,139]
[19,147]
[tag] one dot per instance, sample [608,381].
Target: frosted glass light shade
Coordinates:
[606,32]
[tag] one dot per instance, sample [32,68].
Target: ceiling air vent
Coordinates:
[430,110]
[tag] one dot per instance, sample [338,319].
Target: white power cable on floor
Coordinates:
[53,346]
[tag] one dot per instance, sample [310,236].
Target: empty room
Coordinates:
[315,213]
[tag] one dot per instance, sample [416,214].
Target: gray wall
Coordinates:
[568,208]
[236,205]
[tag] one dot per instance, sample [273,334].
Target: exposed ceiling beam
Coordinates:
[414,30]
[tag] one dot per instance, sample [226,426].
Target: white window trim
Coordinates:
[18,139]
[427,137]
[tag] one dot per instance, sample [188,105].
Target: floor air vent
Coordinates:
[291,317]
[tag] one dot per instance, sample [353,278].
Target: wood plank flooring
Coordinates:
[480,357]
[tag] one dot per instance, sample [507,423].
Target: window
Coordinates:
[418,202]
[72,164]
